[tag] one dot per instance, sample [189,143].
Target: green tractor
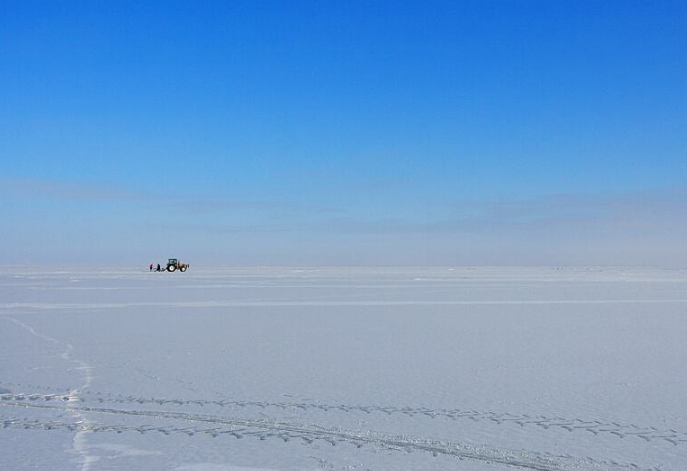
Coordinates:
[173,265]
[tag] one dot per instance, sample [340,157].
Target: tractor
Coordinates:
[173,264]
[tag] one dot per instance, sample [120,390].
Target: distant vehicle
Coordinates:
[173,264]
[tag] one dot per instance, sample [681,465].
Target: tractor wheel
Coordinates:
[182,269]
[171,267]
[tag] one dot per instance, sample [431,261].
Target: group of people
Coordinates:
[157,269]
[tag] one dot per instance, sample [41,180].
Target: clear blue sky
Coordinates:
[344,133]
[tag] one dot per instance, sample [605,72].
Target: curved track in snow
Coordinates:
[264,429]
[574,424]
[175,420]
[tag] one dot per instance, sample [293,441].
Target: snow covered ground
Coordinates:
[483,369]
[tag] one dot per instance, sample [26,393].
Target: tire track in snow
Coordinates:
[264,429]
[73,396]
[596,427]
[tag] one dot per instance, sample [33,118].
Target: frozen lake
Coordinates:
[343,369]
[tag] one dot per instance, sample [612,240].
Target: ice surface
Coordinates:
[271,369]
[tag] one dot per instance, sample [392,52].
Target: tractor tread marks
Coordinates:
[594,427]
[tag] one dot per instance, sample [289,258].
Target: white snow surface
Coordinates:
[285,369]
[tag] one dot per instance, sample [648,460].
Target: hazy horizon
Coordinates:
[344,134]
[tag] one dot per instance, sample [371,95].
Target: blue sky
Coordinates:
[344,133]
